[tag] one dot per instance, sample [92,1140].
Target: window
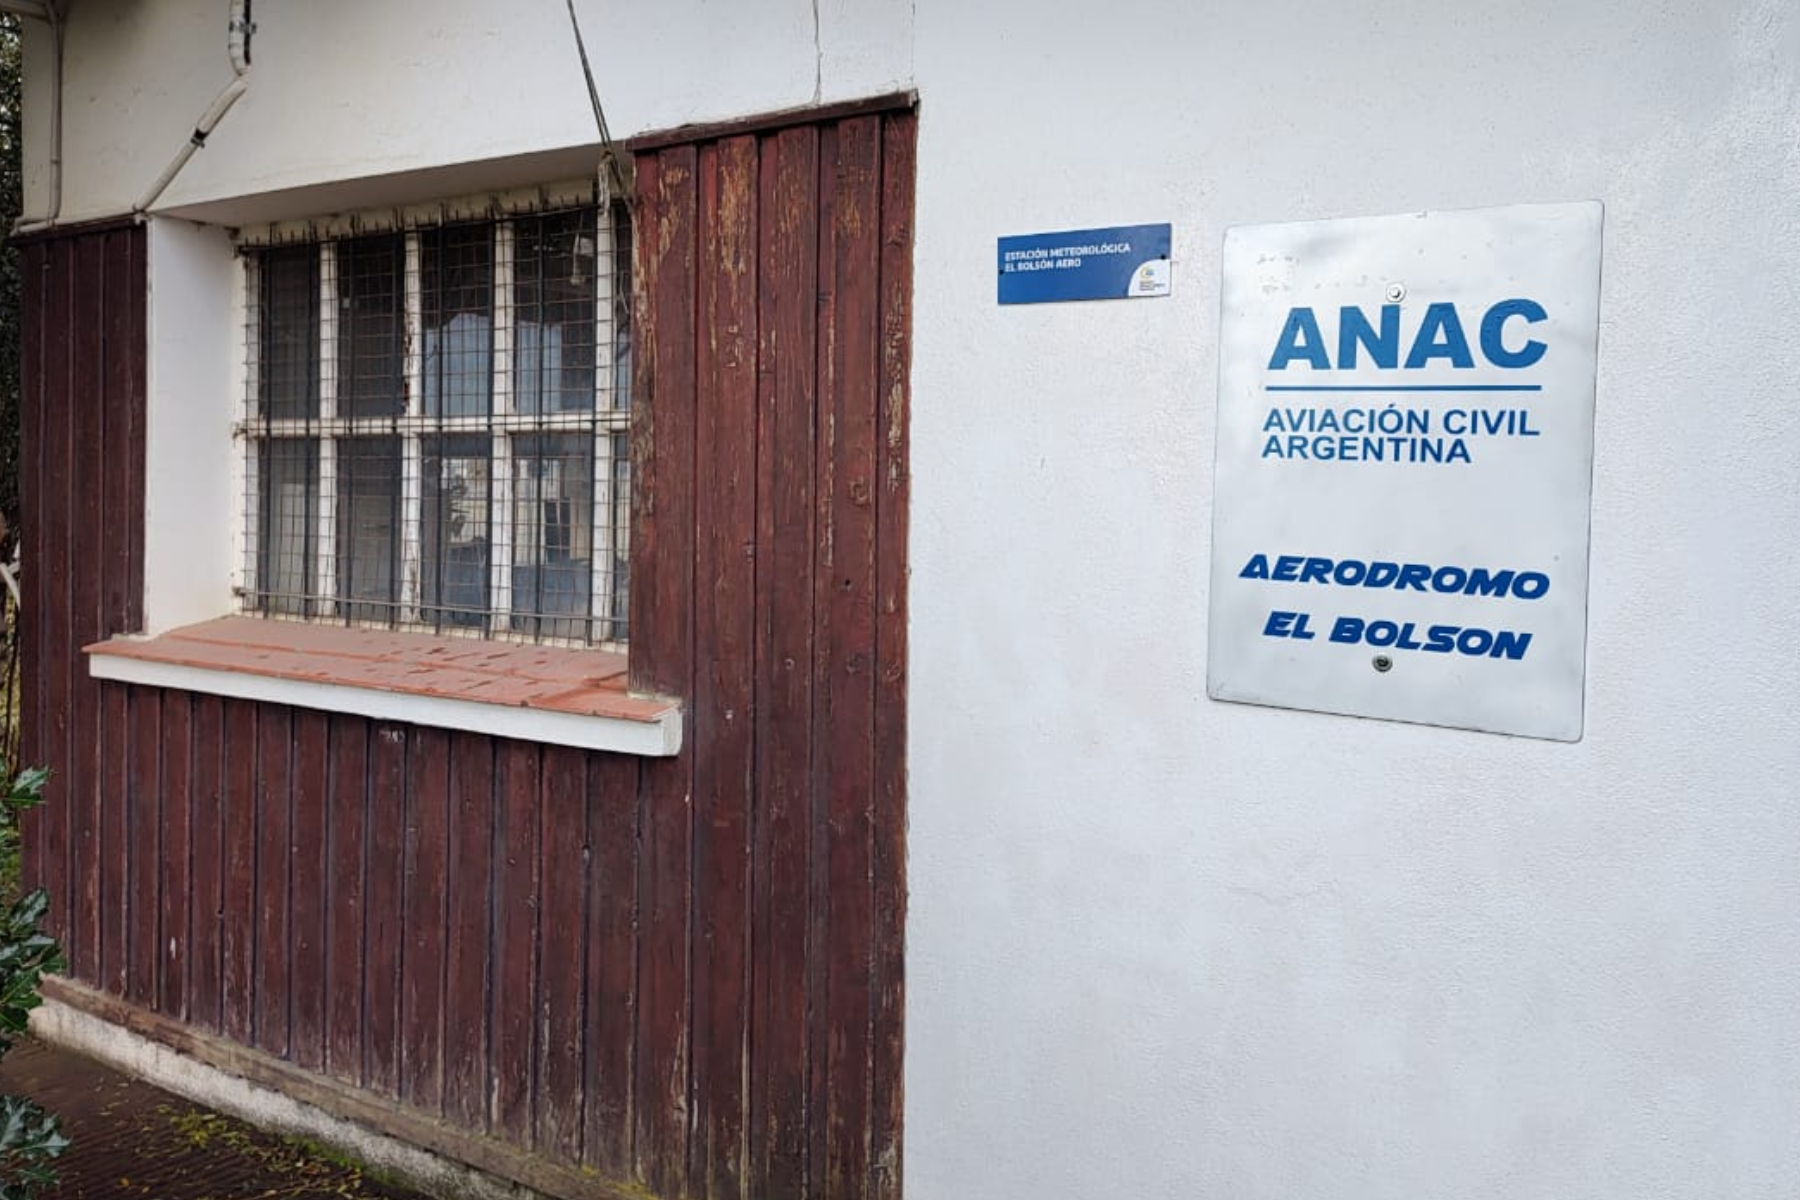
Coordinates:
[435,427]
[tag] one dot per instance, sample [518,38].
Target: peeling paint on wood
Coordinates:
[673,977]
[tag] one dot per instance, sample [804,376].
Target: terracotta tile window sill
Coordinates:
[550,694]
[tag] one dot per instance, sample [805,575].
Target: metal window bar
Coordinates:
[250,583]
[434,427]
[610,324]
[413,446]
[325,540]
[499,617]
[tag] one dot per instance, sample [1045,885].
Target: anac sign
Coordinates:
[1404,466]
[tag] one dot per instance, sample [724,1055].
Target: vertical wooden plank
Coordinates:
[819,777]
[562,992]
[95,371]
[79,752]
[205,961]
[95,752]
[274,843]
[130,615]
[98,736]
[34,547]
[347,805]
[309,872]
[648,559]
[787,289]
[112,864]
[662,431]
[892,495]
[386,806]
[844,606]
[663,426]
[143,801]
[112,757]
[178,899]
[725,638]
[238,923]
[515,897]
[116,457]
[612,919]
[426,865]
[466,963]
[662,656]
[663,1021]
[74,911]
[76,907]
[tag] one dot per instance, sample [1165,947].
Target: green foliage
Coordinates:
[30,1138]
[17,793]
[27,953]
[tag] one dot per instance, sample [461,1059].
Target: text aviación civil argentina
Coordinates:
[1390,433]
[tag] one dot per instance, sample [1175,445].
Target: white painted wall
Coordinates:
[345,89]
[1160,946]
[193,379]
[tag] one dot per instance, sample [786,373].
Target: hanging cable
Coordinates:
[609,154]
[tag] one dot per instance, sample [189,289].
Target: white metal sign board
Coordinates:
[1405,461]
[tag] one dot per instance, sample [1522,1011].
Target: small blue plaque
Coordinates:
[1124,262]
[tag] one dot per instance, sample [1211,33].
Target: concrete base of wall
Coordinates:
[64,1025]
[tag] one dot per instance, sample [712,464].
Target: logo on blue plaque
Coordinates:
[1122,263]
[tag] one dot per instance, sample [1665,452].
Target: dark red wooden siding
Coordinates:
[680,972]
[81,496]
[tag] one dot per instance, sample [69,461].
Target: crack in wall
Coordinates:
[818,57]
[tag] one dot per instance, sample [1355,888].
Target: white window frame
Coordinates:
[195,487]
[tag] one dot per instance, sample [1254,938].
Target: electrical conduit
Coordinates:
[238,43]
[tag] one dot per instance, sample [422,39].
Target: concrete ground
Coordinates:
[135,1141]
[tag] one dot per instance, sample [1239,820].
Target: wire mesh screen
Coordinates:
[436,428]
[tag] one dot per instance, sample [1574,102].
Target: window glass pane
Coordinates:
[553,534]
[371,327]
[620,508]
[457,280]
[287,375]
[368,519]
[455,539]
[287,471]
[554,260]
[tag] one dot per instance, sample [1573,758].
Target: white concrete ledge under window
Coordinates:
[553,694]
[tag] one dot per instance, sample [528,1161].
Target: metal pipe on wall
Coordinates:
[238,46]
[47,11]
